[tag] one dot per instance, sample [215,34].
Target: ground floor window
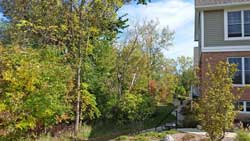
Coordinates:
[242,76]
[243,106]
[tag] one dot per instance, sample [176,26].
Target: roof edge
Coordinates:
[221,5]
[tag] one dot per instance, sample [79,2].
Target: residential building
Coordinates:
[222,29]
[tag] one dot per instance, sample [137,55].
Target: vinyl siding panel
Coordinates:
[214,30]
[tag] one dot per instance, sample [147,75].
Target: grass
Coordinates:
[148,136]
[109,130]
[101,131]
[84,133]
[243,136]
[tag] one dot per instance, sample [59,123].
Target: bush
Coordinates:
[190,120]
[135,107]
[243,136]
[34,87]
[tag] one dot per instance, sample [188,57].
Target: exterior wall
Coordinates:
[243,116]
[214,58]
[214,31]
[216,48]
[196,56]
[217,2]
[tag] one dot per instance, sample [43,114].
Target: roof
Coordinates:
[210,3]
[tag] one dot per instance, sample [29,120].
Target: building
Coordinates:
[222,29]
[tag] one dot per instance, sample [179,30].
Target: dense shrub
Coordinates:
[34,87]
[135,107]
[190,120]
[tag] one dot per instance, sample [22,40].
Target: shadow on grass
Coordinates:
[106,130]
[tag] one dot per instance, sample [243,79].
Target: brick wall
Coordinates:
[214,58]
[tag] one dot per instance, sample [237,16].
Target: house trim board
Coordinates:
[225,48]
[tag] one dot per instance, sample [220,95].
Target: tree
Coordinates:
[186,76]
[74,26]
[139,53]
[215,108]
[78,29]
[135,107]
[166,79]
[34,90]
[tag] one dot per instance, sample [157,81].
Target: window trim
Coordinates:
[226,38]
[244,107]
[243,71]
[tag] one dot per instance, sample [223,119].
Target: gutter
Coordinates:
[218,6]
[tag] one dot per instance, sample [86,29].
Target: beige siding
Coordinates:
[196,56]
[214,30]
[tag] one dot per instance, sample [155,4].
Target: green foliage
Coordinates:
[71,26]
[191,120]
[89,106]
[63,23]
[215,109]
[101,78]
[186,77]
[34,88]
[243,136]
[112,128]
[147,136]
[121,81]
[141,65]
[135,107]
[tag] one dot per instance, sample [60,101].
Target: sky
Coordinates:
[178,15]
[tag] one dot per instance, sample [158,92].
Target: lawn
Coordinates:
[148,136]
[109,129]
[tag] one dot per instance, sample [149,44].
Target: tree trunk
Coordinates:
[78,89]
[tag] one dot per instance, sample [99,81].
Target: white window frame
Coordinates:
[226,38]
[243,72]
[244,107]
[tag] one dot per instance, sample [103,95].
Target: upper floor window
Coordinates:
[247,23]
[237,24]
[242,76]
[234,24]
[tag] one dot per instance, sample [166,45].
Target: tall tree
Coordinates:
[139,53]
[186,76]
[75,26]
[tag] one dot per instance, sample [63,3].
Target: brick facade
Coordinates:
[215,57]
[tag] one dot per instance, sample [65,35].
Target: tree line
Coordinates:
[70,62]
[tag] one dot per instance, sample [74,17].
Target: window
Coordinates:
[247,23]
[237,79]
[234,24]
[239,105]
[237,24]
[247,106]
[242,76]
[247,70]
[243,106]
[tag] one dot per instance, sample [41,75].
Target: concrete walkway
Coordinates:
[200,132]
